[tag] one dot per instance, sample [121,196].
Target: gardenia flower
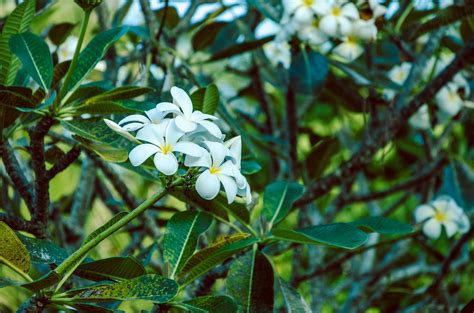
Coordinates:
[162,142]
[337,20]
[185,119]
[421,119]
[217,171]
[303,11]
[442,212]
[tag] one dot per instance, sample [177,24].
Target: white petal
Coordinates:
[173,134]
[212,128]
[235,147]
[344,26]
[140,153]
[348,50]
[168,107]
[166,163]
[203,161]
[151,134]
[188,148]
[183,100]
[218,152]
[230,187]
[134,118]
[432,228]
[155,116]
[450,227]
[199,116]
[227,168]
[350,10]
[119,130]
[207,185]
[185,125]
[423,212]
[130,127]
[328,25]
[463,224]
[303,15]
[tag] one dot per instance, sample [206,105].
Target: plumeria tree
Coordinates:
[236,156]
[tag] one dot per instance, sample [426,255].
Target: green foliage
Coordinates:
[12,98]
[339,235]
[34,54]
[13,253]
[308,71]
[278,200]
[114,269]
[58,33]
[181,237]
[321,155]
[250,282]
[210,304]
[17,22]
[239,48]
[382,225]
[294,302]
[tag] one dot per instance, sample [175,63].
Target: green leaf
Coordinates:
[206,259]
[458,182]
[6,282]
[308,71]
[339,235]
[320,156]
[93,53]
[249,167]
[211,99]
[106,152]
[206,35]
[58,33]
[210,304]
[17,22]
[147,287]
[43,251]
[120,93]
[294,302]
[240,48]
[34,54]
[180,240]
[93,308]
[104,107]
[278,200]
[115,269]
[12,98]
[250,282]
[43,282]
[197,98]
[13,253]
[382,225]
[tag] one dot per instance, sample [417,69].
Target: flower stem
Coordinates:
[72,66]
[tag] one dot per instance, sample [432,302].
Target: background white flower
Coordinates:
[337,19]
[421,119]
[137,121]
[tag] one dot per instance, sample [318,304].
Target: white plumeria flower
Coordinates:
[137,121]
[337,20]
[187,120]
[278,52]
[349,49]
[398,74]
[67,48]
[421,119]
[365,30]
[303,11]
[217,171]
[442,212]
[162,142]
[377,9]
[312,34]
[449,101]
[119,130]
[235,148]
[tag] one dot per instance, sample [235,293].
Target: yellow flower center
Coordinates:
[214,170]
[166,149]
[440,216]
[452,96]
[308,3]
[400,75]
[336,11]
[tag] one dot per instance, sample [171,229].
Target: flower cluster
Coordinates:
[449,100]
[443,211]
[325,22]
[175,135]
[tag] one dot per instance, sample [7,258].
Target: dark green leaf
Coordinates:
[250,282]
[197,99]
[93,53]
[308,71]
[34,54]
[294,302]
[13,253]
[17,22]
[278,200]
[211,99]
[12,98]
[180,240]
[206,35]
[382,225]
[210,304]
[458,182]
[115,269]
[104,107]
[339,235]
[147,287]
[43,251]
[120,93]
[249,167]
[240,48]
[59,32]
[320,156]
[43,282]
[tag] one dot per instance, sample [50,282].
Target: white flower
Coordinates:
[421,119]
[235,148]
[303,11]
[162,142]
[119,130]
[449,101]
[442,212]
[187,120]
[377,9]
[278,52]
[217,172]
[349,49]
[67,48]
[399,73]
[365,30]
[137,121]
[312,34]
[336,21]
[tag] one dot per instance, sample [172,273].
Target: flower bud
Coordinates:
[88,5]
